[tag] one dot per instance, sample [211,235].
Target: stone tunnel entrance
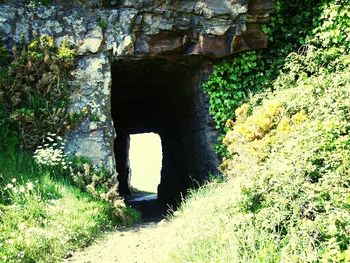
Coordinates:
[164,97]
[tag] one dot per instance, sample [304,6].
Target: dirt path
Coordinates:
[138,244]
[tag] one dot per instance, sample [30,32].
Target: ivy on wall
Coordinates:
[232,82]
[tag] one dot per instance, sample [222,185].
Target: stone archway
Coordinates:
[163,96]
[148,59]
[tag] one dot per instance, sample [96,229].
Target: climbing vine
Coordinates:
[232,82]
[333,27]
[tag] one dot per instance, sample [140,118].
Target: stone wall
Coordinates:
[105,33]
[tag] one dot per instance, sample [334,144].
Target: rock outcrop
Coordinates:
[172,37]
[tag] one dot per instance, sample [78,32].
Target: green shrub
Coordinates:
[288,190]
[33,90]
[233,81]
[333,27]
[44,211]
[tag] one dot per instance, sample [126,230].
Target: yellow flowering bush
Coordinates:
[65,52]
[254,134]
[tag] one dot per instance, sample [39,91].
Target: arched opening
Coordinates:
[145,156]
[164,97]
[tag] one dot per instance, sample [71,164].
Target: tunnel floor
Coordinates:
[148,205]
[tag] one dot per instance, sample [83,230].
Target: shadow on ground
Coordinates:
[147,203]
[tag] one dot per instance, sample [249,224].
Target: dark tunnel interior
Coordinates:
[160,96]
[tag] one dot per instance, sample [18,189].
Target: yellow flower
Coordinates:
[242,112]
[229,123]
[85,110]
[274,108]
[283,125]
[299,117]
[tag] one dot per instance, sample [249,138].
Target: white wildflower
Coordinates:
[51,154]
[21,226]
[30,186]
[21,254]
[10,241]
[9,186]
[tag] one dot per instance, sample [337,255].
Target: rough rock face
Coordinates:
[172,37]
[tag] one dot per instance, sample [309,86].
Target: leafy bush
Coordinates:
[233,81]
[287,198]
[44,210]
[333,27]
[98,182]
[301,185]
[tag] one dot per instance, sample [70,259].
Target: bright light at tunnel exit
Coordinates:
[145,155]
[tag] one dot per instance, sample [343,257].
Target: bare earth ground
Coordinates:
[137,244]
[133,245]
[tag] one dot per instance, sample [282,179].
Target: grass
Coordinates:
[44,216]
[208,214]
[287,192]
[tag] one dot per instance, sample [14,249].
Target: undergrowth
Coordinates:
[233,81]
[33,89]
[287,198]
[287,192]
[50,203]
[43,215]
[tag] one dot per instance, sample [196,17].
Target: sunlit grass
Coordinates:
[44,216]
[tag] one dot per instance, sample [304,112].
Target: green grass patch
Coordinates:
[43,216]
